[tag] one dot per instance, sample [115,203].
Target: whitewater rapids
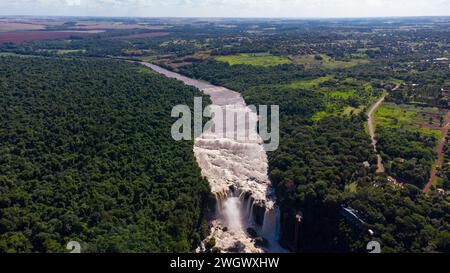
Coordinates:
[236,166]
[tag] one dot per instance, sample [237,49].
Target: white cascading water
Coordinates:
[235,165]
[232,213]
[269,225]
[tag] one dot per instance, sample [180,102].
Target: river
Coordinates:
[236,169]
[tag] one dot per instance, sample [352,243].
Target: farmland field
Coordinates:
[253,59]
[112,26]
[314,61]
[64,51]
[28,36]
[143,35]
[13,26]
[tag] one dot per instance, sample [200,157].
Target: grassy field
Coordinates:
[353,110]
[320,115]
[147,58]
[368,49]
[391,115]
[308,84]
[310,61]
[253,59]
[69,51]
[346,96]
[352,187]
[342,94]
[63,51]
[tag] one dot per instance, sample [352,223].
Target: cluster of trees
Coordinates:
[87,155]
[241,77]
[92,46]
[404,220]
[428,93]
[410,154]
[444,171]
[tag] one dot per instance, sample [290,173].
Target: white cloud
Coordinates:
[73,2]
[228,8]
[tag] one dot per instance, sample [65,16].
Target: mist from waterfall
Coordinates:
[238,215]
[232,213]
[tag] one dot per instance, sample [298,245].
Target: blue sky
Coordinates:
[227,8]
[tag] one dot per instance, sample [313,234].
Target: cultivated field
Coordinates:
[123,26]
[142,35]
[324,61]
[29,36]
[64,51]
[13,26]
[253,59]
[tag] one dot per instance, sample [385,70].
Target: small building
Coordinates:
[366,164]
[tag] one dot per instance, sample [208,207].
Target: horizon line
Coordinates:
[231,17]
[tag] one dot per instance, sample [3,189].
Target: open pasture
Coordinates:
[253,59]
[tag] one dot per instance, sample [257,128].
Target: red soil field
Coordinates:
[142,35]
[14,26]
[28,36]
[48,23]
[119,26]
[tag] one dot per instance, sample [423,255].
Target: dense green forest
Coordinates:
[86,155]
[309,174]
[85,151]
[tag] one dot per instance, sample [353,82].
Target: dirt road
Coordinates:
[440,152]
[371,126]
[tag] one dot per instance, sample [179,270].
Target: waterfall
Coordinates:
[271,228]
[232,212]
[237,214]
[249,211]
[236,165]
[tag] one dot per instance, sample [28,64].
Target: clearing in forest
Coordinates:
[256,59]
[342,96]
[324,61]
[426,120]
